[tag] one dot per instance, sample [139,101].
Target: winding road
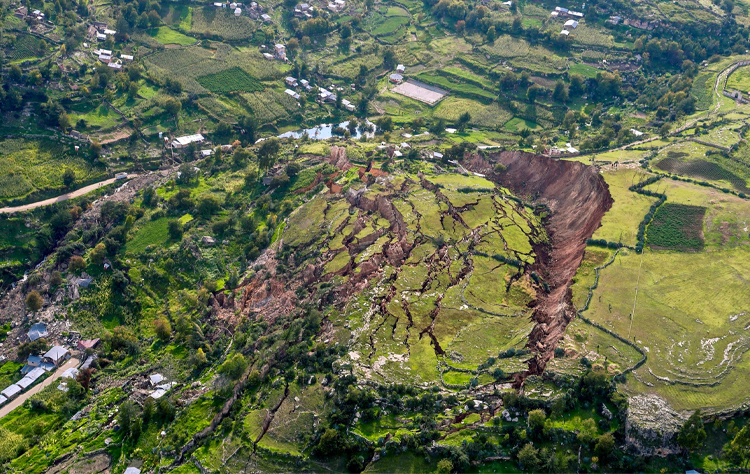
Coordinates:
[63,197]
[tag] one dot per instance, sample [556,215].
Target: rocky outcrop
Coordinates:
[652,425]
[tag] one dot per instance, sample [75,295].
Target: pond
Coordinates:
[325,131]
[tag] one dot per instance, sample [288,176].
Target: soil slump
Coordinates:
[577,197]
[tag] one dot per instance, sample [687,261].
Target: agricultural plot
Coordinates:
[230,80]
[489,116]
[26,166]
[166,35]
[25,47]
[419,91]
[689,159]
[221,23]
[676,227]
[269,106]
[739,80]
[442,299]
[702,90]
[691,328]
[461,88]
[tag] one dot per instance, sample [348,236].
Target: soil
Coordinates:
[577,197]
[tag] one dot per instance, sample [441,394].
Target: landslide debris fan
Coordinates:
[431,275]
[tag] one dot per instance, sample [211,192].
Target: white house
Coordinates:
[571,24]
[109,32]
[101,37]
[565,32]
[266,18]
[347,105]
[237,12]
[291,81]
[126,57]
[291,94]
[400,69]
[182,142]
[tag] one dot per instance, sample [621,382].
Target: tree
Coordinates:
[163,329]
[577,85]
[34,301]
[69,177]
[174,227]
[384,124]
[561,92]
[664,130]
[692,434]
[605,444]
[56,279]
[98,253]
[528,456]
[389,59]
[233,367]
[208,206]
[536,420]
[77,264]
[739,448]
[463,121]
[267,153]
[173,107]
[444,466]
[532,92]
[491,34]
[127,418]
[437,127]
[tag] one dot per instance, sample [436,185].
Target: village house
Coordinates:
[324,95]
[291,81]
[268,56]
[21,12]
[306,84]
[347,105]
[396,78]
[57,355]
[115,66]
[337,5]
[126,57]
[84,345]
[237,12]
[565,32]
[280,52]
[291,94]
[182,142]
[400,69]
[266,18]
[571,24]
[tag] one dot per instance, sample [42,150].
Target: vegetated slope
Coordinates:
[577,197]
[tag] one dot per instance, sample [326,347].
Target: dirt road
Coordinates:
[63,197]
[38,387]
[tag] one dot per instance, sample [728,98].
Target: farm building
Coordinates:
[290,81]
[571,24]
[115,66]
[400,69]
[3,400]
[109,32]
[71,373]
[291,94]
[37,331]
[280,52]
[132,470]
[396,78]
[575,14]
[156,379]
[101,37]
[126,57]
[182,142]
[437,154]
[306,84]
[268,56]
[565,32]
[85,344]
[266,18]
[56,355]
[237,12]
[11,392]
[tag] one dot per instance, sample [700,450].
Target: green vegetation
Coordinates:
[166,35]
[230,80]
[676,227]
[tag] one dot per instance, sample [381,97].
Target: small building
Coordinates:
[37,331]
[88,362]
[306,84]
[101,37]
[115,66]
[291,94]
[635,132]
[109,32]
[266,18]
[237,12]
[290,81]
[206,153]
[400,69]
[268,56]
[347,105]
[437,154]
[571,24]
[575,14]
[105,52]
[57,355]
[126,57]
[182,142]
[11,392]
[396,78]
[3,400]
[25,383]
[132,470]
[119,177]
[405,146]
[220,5]
[565,32]
[86,344]
[554,14]
[156,379]
[105,58]
[71,373]
[34,361]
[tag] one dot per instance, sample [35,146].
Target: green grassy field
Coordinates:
[230,80]
[166,35]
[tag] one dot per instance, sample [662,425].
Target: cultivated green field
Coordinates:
[166,35]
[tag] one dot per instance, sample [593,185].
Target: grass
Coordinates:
[584,70]
[152,233]
[166,35]
[230,80]
[676,227]
[740,80]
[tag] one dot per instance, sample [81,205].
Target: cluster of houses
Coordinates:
[160,386]
[557,151]
[23,13]
[99,31]
[254,10]
[278,53]
[37,366]
[105,56]
[398,76]
[572,23]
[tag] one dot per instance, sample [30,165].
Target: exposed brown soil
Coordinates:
[577,197]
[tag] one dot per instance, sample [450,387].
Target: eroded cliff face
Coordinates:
[577,197]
